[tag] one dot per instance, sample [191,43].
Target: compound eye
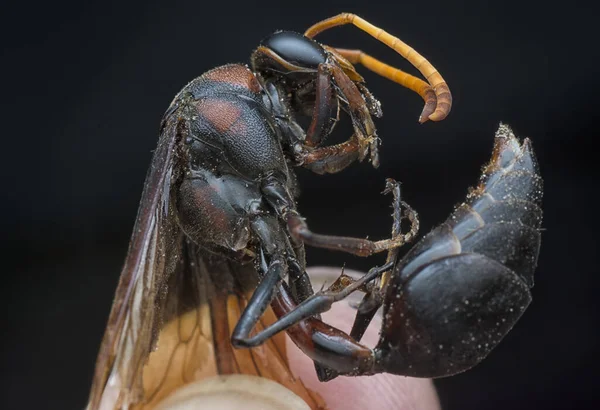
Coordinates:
[296,49]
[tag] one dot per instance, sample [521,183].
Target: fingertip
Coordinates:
[381,391]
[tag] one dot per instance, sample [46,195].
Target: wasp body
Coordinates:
[218,245]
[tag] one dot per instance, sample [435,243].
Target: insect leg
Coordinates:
[359,113]
[299,281]
[374,299]
[258,303]
[361,117]
[356,246]
[274,244]
[324,344]
[279,198]
[301,288]
[330,348]
[322,119]
[318,303]
[333,158]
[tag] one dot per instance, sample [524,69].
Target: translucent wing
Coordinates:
[175,307]
[206,297]
[153,249]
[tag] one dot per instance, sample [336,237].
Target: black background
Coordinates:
[85,85]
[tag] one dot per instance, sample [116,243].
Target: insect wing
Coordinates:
[128,337]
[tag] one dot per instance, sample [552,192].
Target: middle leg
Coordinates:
[356,246]
[279,198]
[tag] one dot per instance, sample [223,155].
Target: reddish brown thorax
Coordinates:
[223,115]
[236,74]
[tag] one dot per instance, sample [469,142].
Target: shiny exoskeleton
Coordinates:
[218,219]
[451,299]
[237,195]
[458,291]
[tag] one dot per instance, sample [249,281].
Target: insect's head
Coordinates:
[288,52]
[294,60]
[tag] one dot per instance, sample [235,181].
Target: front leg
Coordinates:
[278,197]
[332,159]
[330,87]
[325,111]
[357,246]
[306,148]
[324,114]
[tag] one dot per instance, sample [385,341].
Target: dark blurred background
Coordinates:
[86,83]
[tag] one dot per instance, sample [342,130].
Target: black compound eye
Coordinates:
[296,49]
